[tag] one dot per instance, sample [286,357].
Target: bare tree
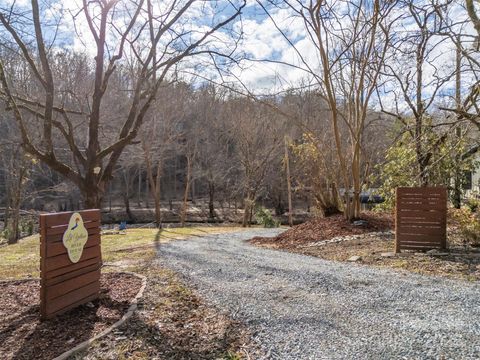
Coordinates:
[418,78]
[160,132]
[154,42]
[351,40]
[257,145]
[16,167]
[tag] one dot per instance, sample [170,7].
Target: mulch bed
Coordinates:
[24,336]
[459,262]
[326,228]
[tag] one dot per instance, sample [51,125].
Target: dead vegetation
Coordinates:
[459,262]
[174,323]
[326,228]
[24,336]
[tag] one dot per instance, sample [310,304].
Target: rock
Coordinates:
[360,223]
[387,254]
[354,258]
[436,252]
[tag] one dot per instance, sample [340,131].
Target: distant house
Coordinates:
[472,179]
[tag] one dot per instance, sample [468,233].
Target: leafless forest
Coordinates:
[171,106]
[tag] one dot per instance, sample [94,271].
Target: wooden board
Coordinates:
[64,284]
[420,218]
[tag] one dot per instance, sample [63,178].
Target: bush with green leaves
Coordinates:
[401,168]
[264,217]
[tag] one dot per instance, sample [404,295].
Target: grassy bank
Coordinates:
[22,260]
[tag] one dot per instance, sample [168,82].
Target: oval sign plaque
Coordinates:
[75,237]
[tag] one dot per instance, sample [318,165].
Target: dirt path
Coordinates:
[302,307]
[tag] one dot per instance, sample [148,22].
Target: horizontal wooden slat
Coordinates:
[50,274]
[57,248]
[58,238]
[71,306]
[56,219]
[66,287]
[62,228]
[61,302]
[422,207]
[421,198]
[432,204]
[56,262]
[420,231]
[419,222]
[72,274]
[421,243]
[426,238]
[401,190]
[421,212]
[420,248]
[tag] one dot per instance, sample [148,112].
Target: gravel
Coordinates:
[301,307]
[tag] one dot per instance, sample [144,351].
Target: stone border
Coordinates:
[337,239]
[22,280]
[125,317]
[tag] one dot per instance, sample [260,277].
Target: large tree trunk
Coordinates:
[15,202]
[14,234]
[154,184]
[248,210]
[126,196]
[92,198]
[139,192]
[211,193]
[183,213]
[158,212]
[289,184]
[457,182]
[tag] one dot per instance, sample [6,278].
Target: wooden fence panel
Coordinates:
[65,284]
[420,218]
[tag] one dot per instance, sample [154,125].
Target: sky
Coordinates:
[261,46]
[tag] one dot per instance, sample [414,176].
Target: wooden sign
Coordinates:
[420,218]
[70,260]
[75,237]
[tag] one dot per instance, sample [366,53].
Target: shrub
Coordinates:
[27,226]
[473,204]
[265,218]
[6,233]
[469,225]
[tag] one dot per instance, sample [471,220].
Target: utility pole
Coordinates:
[457,186]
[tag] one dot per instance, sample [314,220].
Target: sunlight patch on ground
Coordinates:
[22,260]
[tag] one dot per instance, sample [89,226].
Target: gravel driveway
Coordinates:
[302,307]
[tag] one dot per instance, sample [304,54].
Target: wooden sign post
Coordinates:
[70,260]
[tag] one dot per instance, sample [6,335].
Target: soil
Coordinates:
[459,262]
[24,336]
[326,228]
[173,322]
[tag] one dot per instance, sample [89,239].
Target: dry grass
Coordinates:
[22,260]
